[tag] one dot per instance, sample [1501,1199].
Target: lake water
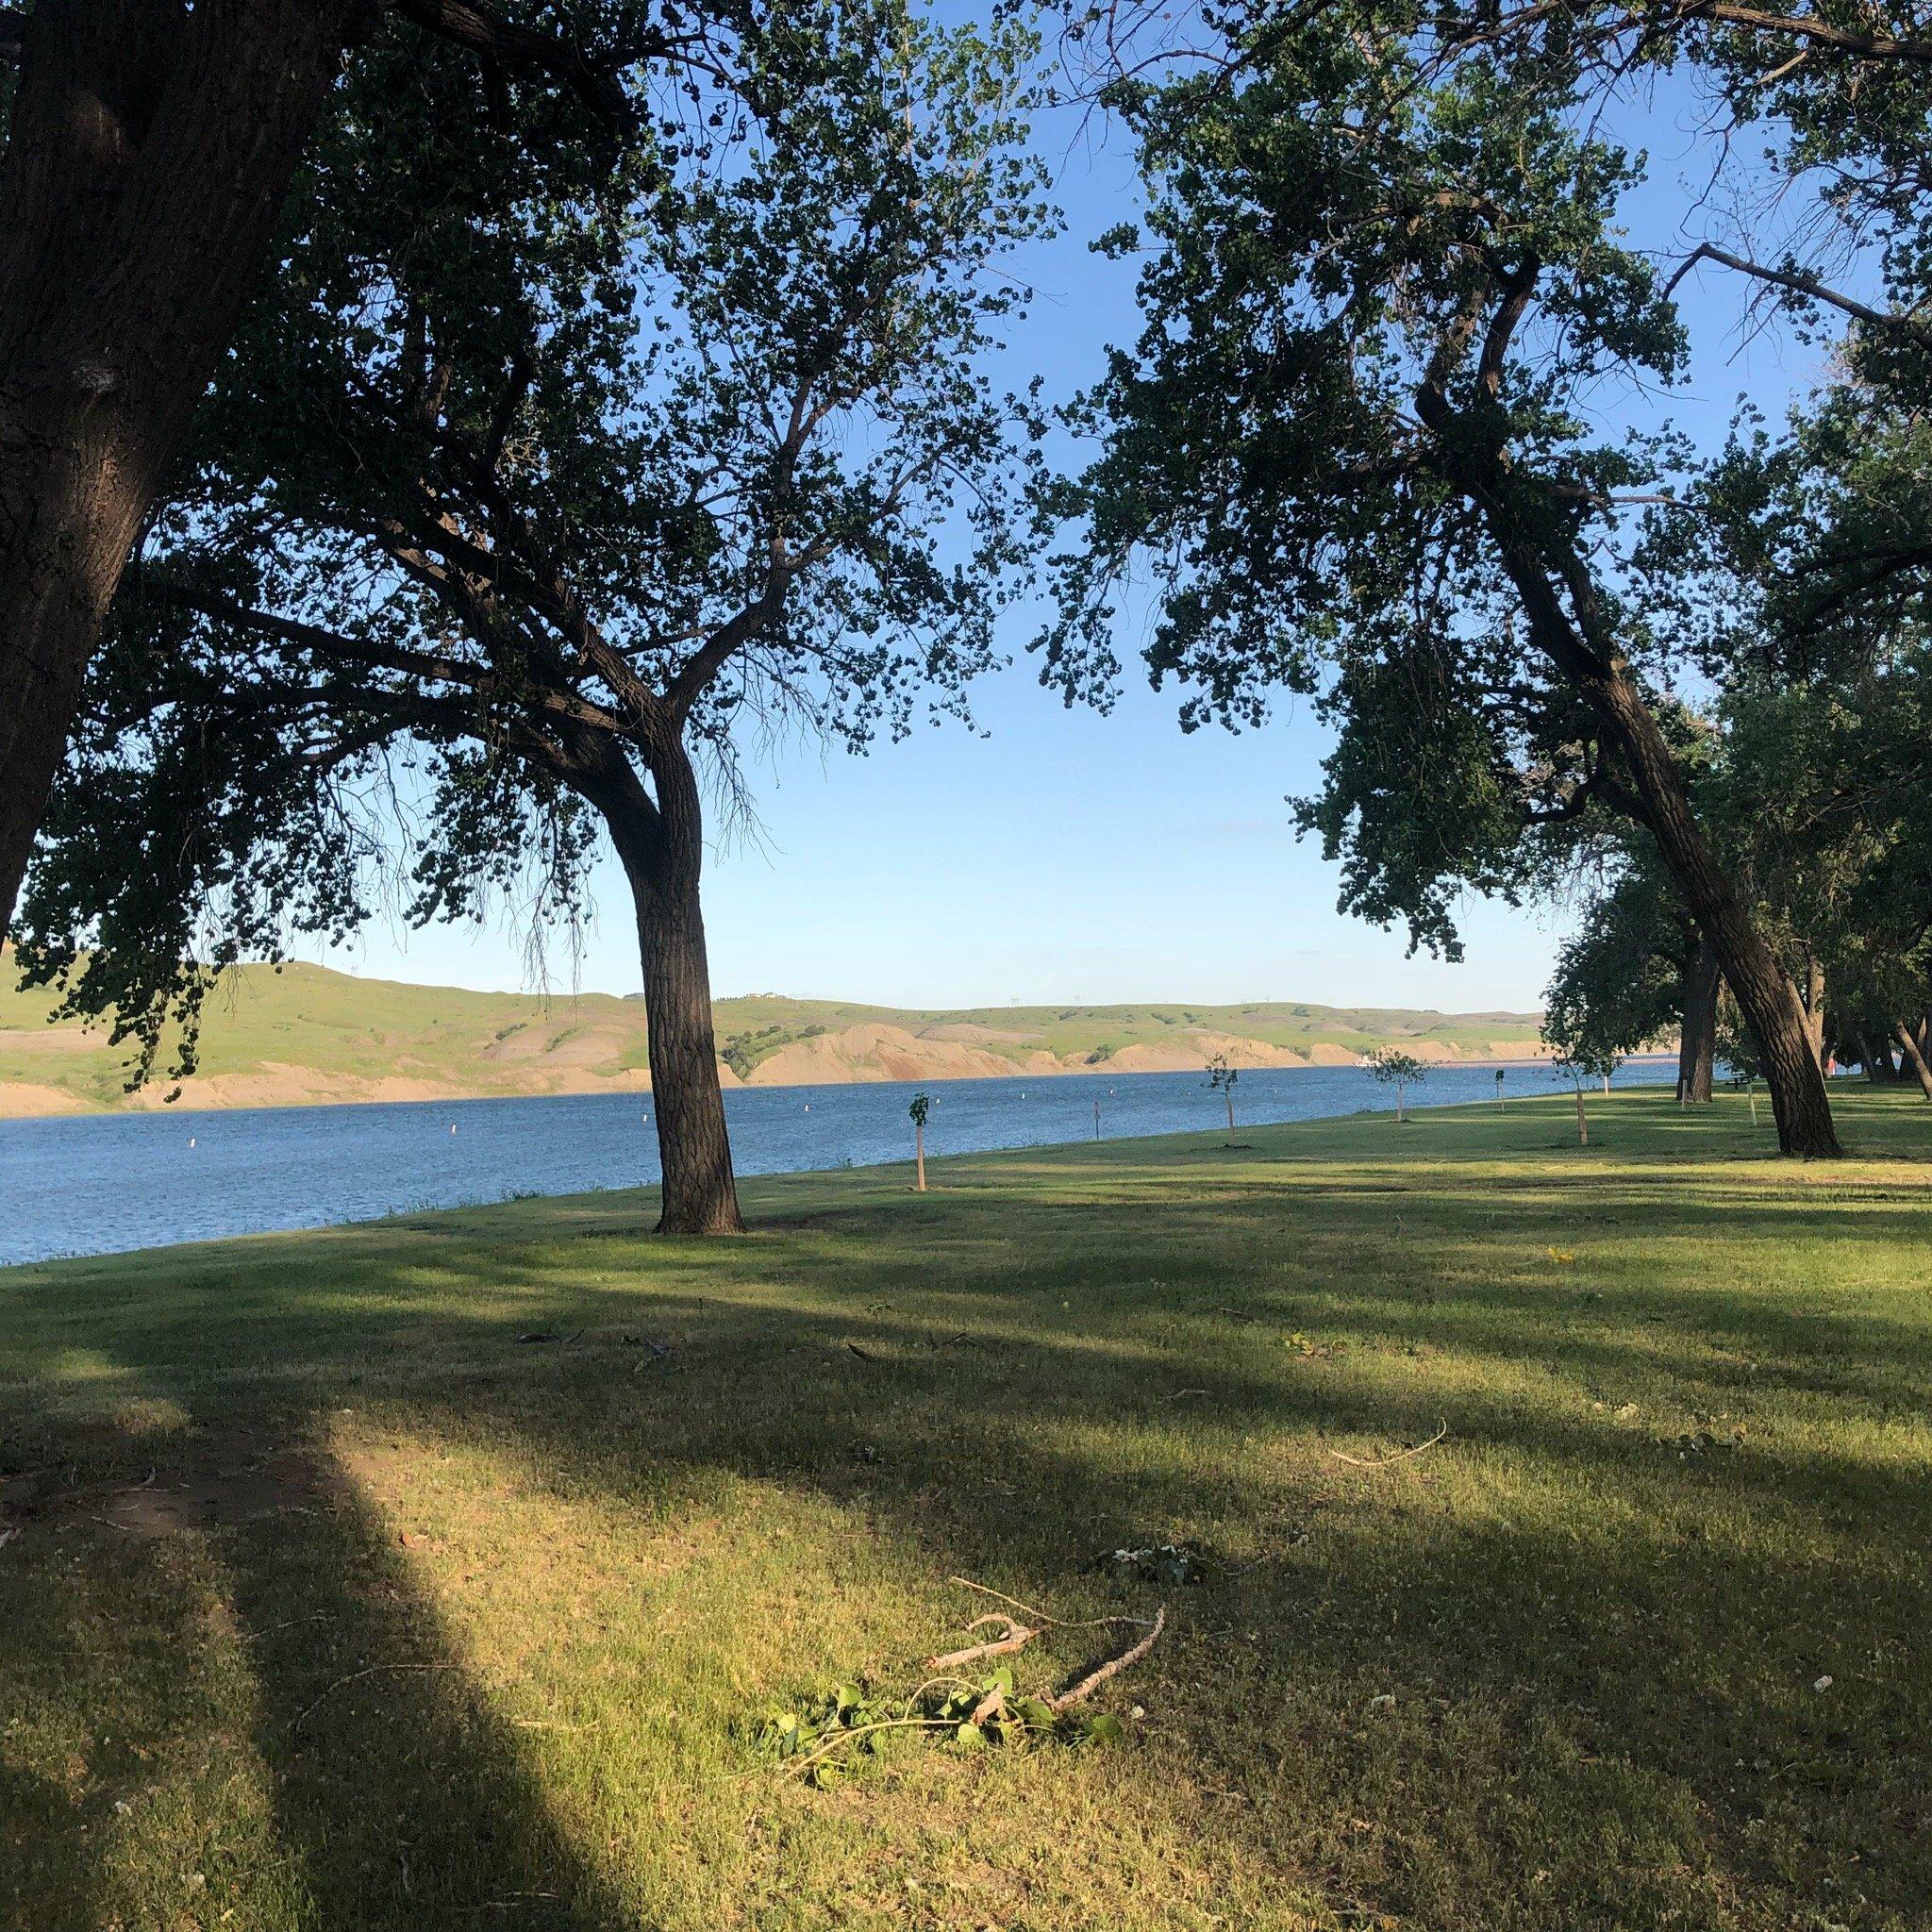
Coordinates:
[101,1183]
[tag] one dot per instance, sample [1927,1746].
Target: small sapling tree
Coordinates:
[1222,1076]
[1578,1065]
[1394,1068]
[921,1108]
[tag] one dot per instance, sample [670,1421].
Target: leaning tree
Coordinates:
[148,147]
[572,485]
[1354,448]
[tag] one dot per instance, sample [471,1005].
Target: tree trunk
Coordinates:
[1770,1002]
[1697,1048]
[1589,659]
[1914,1057]
[663,852]
[1813,1001]
[149,149]
[1537,549]
[919,1151]
[1582,1118]
[1874,1056]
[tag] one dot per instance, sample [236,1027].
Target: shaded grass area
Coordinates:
[421,1625]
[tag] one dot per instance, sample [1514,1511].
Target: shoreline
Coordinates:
[402,1212]
[188,1107]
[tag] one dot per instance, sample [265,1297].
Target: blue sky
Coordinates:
[1066,856]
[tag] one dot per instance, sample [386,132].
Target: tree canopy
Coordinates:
[566,481]
[1356,448]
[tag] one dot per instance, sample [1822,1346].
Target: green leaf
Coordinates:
[971,1737]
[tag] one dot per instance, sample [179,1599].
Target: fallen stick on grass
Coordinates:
[992,1704]
[356,1677]
[1383,1461]
[1076,1694]
[1017,1638]
[1041,1616]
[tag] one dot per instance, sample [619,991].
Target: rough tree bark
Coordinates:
[148,152]
[661,848]
[1697,1048]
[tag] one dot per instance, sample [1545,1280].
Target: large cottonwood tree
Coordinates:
[149,145]
[1353,448]
[576,479]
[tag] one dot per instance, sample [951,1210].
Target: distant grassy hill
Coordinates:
[306,1034]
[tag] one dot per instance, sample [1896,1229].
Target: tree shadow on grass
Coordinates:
[407,1801]
[1599,1648]
[260,1718]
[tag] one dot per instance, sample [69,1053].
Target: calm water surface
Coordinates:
[100,1183]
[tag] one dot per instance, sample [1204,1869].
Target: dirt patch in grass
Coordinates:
[194,1483]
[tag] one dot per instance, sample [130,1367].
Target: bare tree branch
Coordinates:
[1799,283]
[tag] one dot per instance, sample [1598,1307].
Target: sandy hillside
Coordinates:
[305,1036]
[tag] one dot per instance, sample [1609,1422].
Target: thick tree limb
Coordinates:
[1798,283]
[427,665]
[1657,21]
[1018,1636]
[503,43]
[704,664]
[1809,29]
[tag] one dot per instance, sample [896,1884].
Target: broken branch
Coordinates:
[1041,1616]
[1077,1694]
[356,1677]
[1018,1636]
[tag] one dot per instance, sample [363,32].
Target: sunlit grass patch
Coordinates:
[475,1545]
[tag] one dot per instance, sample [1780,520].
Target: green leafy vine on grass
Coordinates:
[821,1741]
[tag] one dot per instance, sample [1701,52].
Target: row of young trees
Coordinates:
[451,432]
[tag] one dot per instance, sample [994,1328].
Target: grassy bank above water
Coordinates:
[334,1599]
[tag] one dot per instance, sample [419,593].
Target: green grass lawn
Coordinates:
[420,1625]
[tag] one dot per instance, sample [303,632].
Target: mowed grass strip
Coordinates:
[332,1603]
